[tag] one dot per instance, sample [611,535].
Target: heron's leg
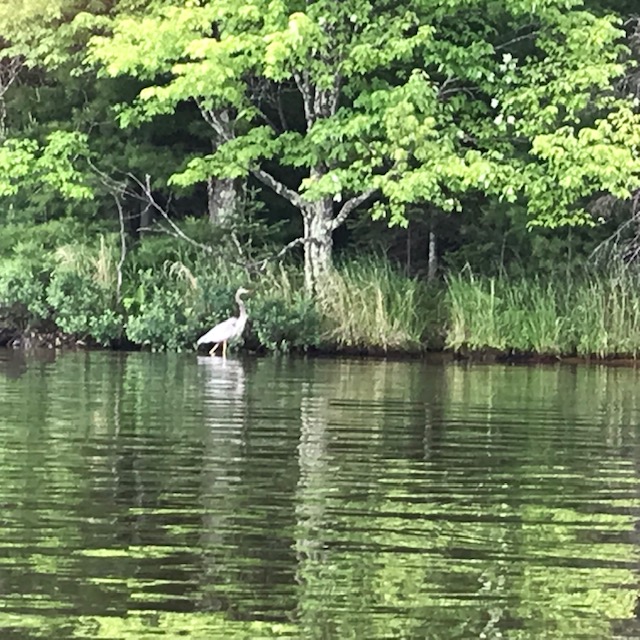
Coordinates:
[224,350]
[213,351]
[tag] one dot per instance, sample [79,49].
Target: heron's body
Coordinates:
[228,329]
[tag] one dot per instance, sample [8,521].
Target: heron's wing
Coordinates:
[220,333]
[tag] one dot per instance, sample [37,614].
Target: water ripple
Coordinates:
[148,495]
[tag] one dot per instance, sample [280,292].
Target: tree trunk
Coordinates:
[318,245]
[144,220]
[432,268]
[222,199]
[319,225]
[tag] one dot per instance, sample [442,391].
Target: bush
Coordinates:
[22,292]
[82,308]
[278,325]
[169,306]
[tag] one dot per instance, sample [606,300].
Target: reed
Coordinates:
[594,315]
[97,263]
[368,304]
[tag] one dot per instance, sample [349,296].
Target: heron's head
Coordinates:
[242,291]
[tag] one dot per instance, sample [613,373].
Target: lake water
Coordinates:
[174,496]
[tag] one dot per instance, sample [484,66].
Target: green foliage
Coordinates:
[586,316]
[285,325]
[434,103]
[40,241]
[159,314]
[73,287]
[22,292]
[26,164]
[80,307]
[368,306]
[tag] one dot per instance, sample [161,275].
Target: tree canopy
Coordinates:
[420,102]
[378,106]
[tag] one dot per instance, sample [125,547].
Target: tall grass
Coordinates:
[97,263]
[368,304]
[169,298]
[586,316]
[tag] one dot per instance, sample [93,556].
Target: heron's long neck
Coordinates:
[241,307]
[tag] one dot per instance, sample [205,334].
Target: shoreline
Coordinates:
[55,340]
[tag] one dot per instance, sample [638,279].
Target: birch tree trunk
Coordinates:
[223,198]
[318,243]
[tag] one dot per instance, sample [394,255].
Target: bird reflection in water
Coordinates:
[224,379]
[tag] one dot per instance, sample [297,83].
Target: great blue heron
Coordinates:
[229,329]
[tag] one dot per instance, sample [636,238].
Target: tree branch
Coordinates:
[9,70]
[281,115]
[277,186]
[349,206]
[111,185]
[177,231]
[123,246]
[262,264]
[219,120]
[617,234]
[304,86]
[508,43]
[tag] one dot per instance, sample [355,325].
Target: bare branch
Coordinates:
[261,265]
[470,91]
[337,85]
[118,190]
[290,245]
[218,120]
[443,87]
[304,86]
[617,234]
[281,115]
[177,231]
[277,186]
[349,206]
[113,186]
[9,69]
[236,243]
[508,43]
[123,246]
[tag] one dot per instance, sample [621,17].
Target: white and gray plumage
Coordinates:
[229,329]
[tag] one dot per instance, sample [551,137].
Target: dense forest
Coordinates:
[384,176]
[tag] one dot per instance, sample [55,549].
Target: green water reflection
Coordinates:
[148,495]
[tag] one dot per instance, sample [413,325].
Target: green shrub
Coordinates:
[280,325]
[82,308]
[39,241]
[22,292]
[159,314]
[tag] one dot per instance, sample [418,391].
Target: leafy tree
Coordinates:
[37,35]
[58,115]
[330,104]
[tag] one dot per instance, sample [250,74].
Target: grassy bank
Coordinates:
[596,315]
[165,300]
